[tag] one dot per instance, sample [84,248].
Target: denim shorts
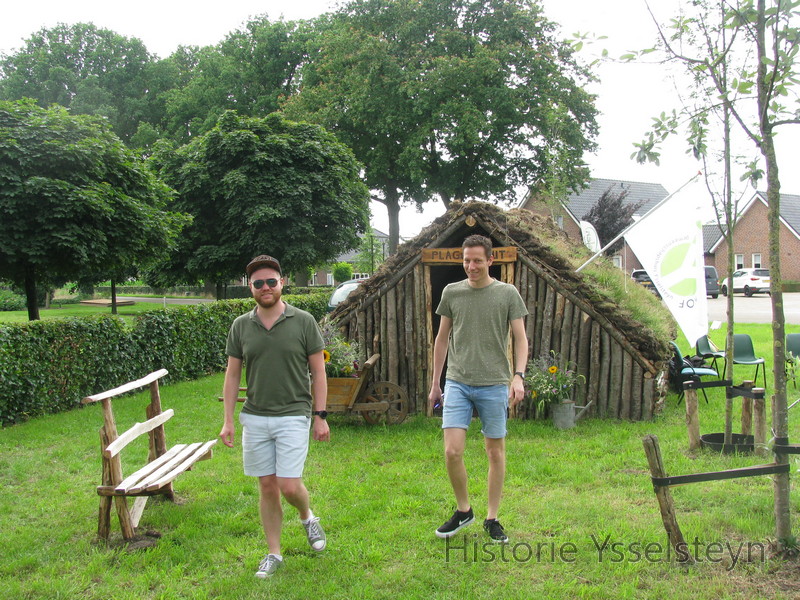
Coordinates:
[274,445]
[490,400]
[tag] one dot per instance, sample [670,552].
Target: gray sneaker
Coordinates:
[315,534]
[269,566]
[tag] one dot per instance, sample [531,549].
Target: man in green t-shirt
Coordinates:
[280,345]
[476,315]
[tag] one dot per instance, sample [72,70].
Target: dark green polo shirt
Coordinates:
[276,361]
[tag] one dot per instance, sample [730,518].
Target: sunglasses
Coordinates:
[259,283]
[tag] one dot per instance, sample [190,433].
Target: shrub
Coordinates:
[11,301]
[49,366]
[342,271]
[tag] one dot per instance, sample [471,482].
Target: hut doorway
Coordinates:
[444,266]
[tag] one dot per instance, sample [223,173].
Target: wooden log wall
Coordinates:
[618,381]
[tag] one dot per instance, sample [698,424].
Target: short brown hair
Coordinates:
[476,240]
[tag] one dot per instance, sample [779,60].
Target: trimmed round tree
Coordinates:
[74,201]
[262,185]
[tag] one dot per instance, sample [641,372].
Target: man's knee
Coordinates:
[290,487]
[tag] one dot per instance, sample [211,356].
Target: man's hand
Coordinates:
[227,434]
[322,432]
[434,396]
[516,392]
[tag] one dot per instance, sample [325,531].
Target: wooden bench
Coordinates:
[163,465]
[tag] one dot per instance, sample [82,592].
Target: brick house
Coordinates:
[568,214]
[751,238]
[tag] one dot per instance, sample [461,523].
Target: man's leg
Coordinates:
[296,494]
[496,453]
[455,440]
[271,512]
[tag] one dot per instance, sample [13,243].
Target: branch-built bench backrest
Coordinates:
[162,467]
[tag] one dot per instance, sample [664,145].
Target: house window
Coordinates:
[330,278]
[617,261]
[757,261]
[739,260]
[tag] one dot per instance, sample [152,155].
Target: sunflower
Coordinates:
[553,370]
[326,355]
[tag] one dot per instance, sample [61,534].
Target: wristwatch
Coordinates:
[520,373]
[323,414]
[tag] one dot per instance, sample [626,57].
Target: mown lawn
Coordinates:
[79,310]
[578,505]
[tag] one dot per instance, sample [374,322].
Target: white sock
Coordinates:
[278,556]
[308,520]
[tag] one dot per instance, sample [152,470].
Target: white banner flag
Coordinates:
[668,241]
[589,234]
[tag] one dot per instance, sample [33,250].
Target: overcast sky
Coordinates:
[629,95]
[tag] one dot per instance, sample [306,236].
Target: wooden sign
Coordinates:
[454,256]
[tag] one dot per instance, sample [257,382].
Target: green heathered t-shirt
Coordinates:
[278,382]
[477,349]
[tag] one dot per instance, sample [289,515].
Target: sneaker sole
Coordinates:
[447,534]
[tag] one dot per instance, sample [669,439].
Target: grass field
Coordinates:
[578,506]
[79,310]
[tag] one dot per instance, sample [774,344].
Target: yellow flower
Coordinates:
[553,369]
[326,355]
[534,394]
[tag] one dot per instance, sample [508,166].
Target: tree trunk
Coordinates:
[392,203]
[30,294]
[780,421]
[113,296]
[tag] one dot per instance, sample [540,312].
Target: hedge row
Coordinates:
[49,366]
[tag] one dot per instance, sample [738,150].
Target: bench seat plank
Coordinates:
[133,479]
[168,470]
[203,452]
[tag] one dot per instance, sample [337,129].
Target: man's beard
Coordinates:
[268,302]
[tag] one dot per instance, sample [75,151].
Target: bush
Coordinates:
[49,366]
[11,301]
[342,271]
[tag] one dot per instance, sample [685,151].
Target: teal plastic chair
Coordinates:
[745,354]
[686,372]
[792,354]
[708,350]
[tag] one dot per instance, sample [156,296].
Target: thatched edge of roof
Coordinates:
[521,227]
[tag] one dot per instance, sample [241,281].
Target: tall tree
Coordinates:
[249,72]
[74,201]
[759,45]
[460,99]
[258,185]
[89,70]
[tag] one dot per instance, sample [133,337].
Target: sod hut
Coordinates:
[622,358]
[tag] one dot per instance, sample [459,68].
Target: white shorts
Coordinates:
[274,445]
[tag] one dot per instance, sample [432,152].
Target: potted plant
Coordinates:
[549,382]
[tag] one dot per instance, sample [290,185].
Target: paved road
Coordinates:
[756,309]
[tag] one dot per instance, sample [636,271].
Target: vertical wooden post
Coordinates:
[665,502]
[158,437]
[760,425]
[692,419]
[104,514]
[747,410]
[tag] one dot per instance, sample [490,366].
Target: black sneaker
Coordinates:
[456,522]
[495,531]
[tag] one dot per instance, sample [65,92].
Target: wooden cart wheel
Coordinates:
[386,391]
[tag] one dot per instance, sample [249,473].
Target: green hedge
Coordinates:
[49,366]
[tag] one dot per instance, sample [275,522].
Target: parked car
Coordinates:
[641,277]
[342,291]
[749,281]
[712,282]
